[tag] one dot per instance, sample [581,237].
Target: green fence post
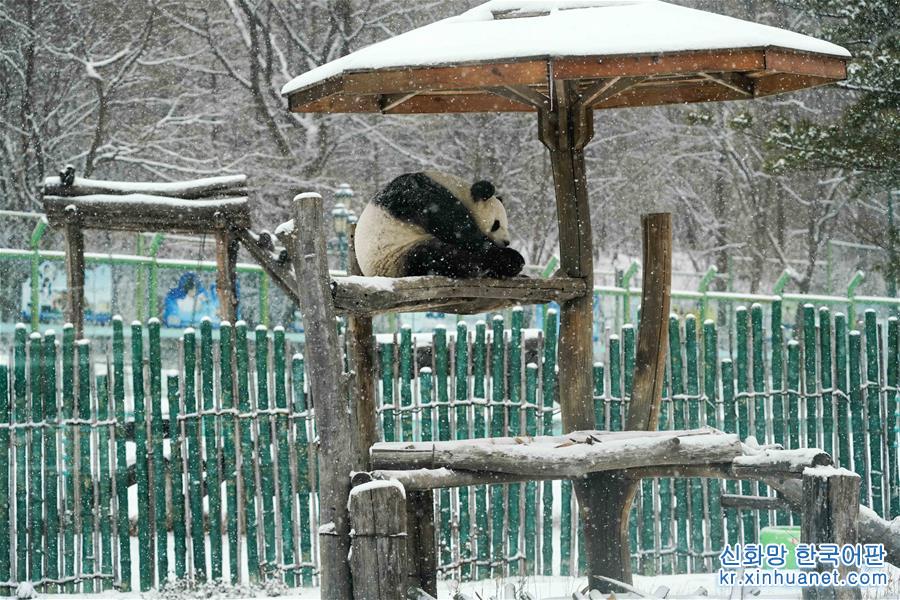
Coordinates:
[808,333]
[498,424]
[857,415]
[858,278]
[141,457]
[628,352]
[123,524]
[826,379]
[441,374]
[664,485]
[282,429]
[303,468]
[759,394]
[213,476]
[615,383]
[36,467]
[732,524]
[104,483]
[548,392]
[426,392]
[246,472]
[5,566]
[85,479]
[698,541]
[676,370]
[388,405]
[68,454]
[406,374]
[461,375]
[777,365]
[21,452]
[531,379]
[264,445]
[514,385]
[873,409]
[893,414]
[194,449]
[842,386]
[159,465]
[176,474]
[479,431]
[710,363]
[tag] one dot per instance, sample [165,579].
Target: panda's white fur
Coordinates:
[384,254]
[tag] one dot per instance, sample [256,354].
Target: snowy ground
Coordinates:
[680,587]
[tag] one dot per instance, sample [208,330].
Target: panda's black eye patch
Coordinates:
[495,226]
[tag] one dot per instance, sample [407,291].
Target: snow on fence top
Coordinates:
[515,29]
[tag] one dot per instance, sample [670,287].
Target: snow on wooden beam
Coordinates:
[541,457]
[143,212]
[371,295]
[208,187]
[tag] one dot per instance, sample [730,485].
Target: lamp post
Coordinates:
[340,218]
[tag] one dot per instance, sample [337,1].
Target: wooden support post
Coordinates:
[604,499]
[379,550]
[361,355]
[422,549]
[226,276]
[74,271]
[326,382]
[830,516]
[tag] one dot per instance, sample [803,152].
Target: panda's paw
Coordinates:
[506,263]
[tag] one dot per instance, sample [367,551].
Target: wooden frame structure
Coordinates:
[213,206]
[563,92]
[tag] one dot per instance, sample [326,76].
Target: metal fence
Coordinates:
[124,469]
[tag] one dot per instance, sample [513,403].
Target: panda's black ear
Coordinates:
[482,190]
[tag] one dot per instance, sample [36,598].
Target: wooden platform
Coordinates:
[373,295]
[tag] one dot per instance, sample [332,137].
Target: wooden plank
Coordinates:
[74,272]
[645,65]
[210,187]
[378,558]
[471,76]
[333,424]
[779,83]
[737,82]
[753,502]
[141,212]
[831,516]
[370,295]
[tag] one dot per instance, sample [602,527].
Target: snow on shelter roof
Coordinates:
[507,30]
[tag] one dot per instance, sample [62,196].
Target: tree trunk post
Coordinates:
[361,356]
[378,558]
[830,516]
[329,394]
[74,271]
[226,275]
[604,500]
[422,548]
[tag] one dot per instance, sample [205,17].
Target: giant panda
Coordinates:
[432,223]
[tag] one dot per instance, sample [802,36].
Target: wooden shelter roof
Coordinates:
[502,56]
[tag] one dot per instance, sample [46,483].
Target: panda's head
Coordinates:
[489,212]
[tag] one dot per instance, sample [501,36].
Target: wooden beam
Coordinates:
[210,187]
[738,82]
[421,548]
[281,274]
[783,60]
[141,212]
[831,516]
[523,94]
[226,275]
[606,89]
[569,461]
[74,272]
[372,295]
[648,65]
[753,502]
[388,102]
[361,360]
[653,330]
[332,414]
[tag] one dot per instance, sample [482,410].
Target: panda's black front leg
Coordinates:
[439,258]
